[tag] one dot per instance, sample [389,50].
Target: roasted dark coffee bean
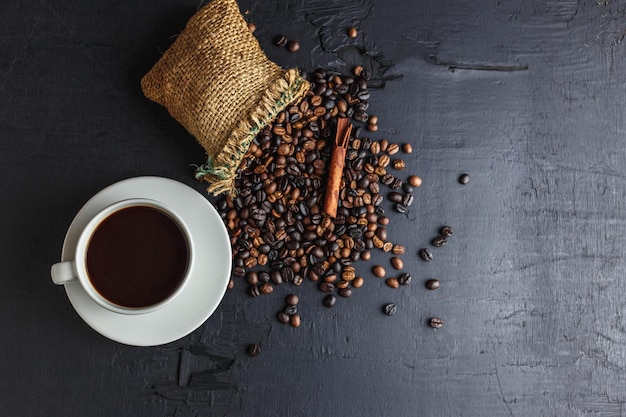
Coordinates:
[390,309]
[264,276]
[436,323]
[401,208]
[294,320]
[395,197]
[345,292]
[426,254]
[464,179]
[407,200]
[439,241]
[266,288]
[396,184]
[282,317]
[291,310]
[326,287]
[404,278]
[446,231]
[254,350]
[276,277]
[239,272]
[253,291]
[292,299]
[330,300]
[280,41]
[433,284]
[293,46]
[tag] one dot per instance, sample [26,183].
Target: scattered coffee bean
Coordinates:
[345,292]
[358,70]
[415,181]
[464,179]
[358,282]
[397,263]
[398,164]
[435,323]
[253,350]
[253,291]
[251,27]
[407,148]
[439,241]
[390,309]
[372,127]
[283,317]
[392,282]
[266,288]
[293,46]
[292,299]
[294,320]
[426,254]
[404,278]
[290,310]
[352,32]
[280,41]
[379,271]
[330,300]
[231,284]
[326,287]
[433,284]
[446,231]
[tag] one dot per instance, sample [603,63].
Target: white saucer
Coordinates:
[209,276]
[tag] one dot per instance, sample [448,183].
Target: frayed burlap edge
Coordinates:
[220,170]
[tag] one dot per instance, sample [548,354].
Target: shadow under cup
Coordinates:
[137,257]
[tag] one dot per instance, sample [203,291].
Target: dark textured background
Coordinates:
[527,96]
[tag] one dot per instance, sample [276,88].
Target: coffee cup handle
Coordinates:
[63,272]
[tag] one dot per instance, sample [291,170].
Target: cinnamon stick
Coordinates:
[337,162]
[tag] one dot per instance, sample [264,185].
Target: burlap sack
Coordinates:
[217,82]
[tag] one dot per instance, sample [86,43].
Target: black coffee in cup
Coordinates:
[137,257]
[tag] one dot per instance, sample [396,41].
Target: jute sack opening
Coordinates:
[218,83]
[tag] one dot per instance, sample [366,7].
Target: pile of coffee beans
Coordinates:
[278,231]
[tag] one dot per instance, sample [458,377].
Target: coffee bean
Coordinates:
[407,200]
[407,148]
[326,287]
[330,300]
[294,320]
[266,288]
[433,284]
[352,32]
[404,278]
[379,271]
[439,241]
[345,292]
[280,41]
[426,254]
[464,179]
[446,231]
[395,197]
[293,46]
[357,282]
[393,148]
[290,310]
[292,299]
[390,309]
[435,323]
[283,317]
[401,208]
[397,263]
[392,282]
[415,181]
[398,164]
[398,250]
[253,350]
[253,291]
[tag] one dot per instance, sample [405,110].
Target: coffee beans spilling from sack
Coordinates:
[278,230]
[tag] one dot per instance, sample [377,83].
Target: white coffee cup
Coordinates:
[76,271]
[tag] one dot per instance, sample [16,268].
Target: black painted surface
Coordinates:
[525,96]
